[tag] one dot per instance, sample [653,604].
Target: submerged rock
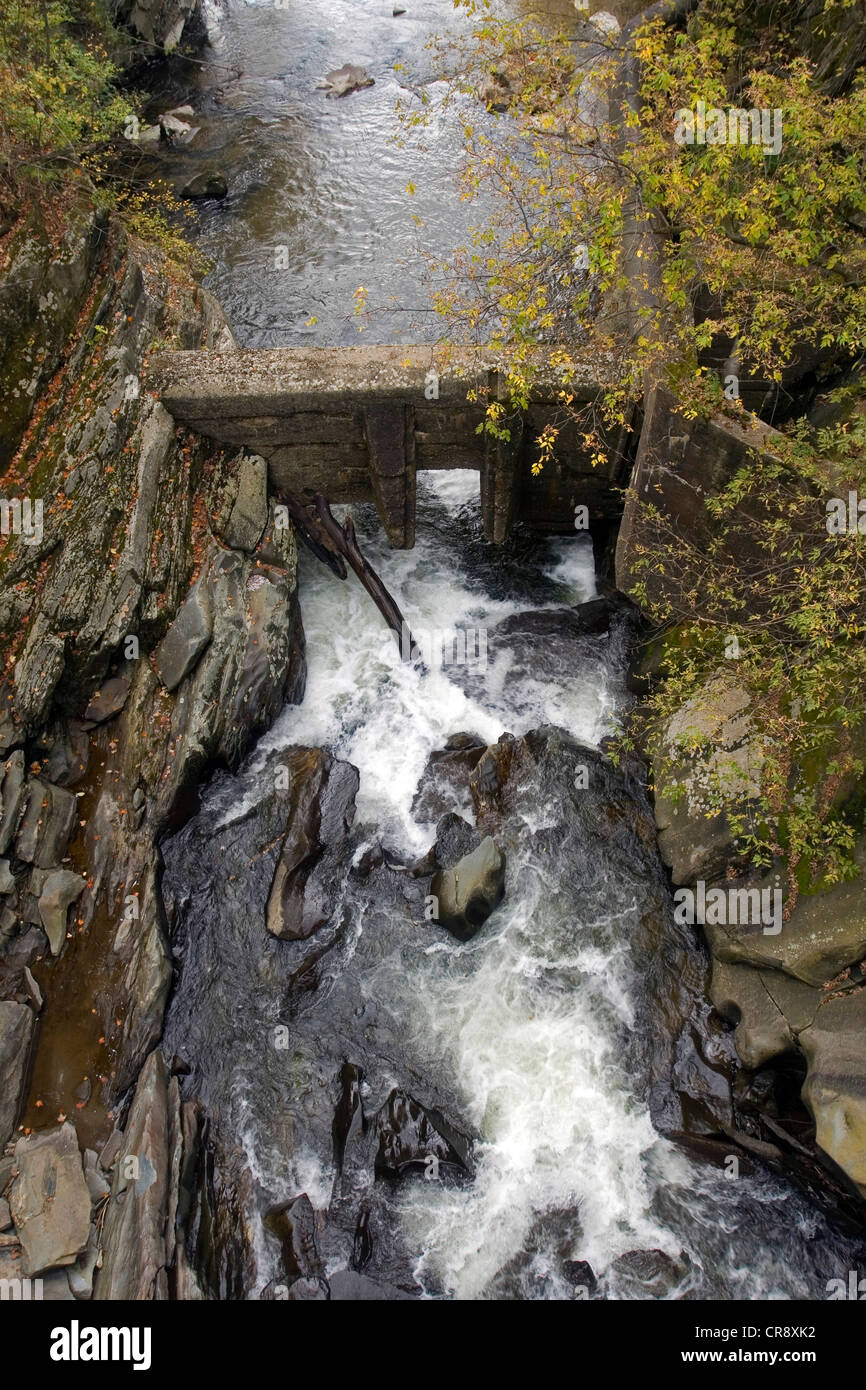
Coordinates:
[342,81]
[205,186]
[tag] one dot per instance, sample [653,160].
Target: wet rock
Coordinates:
[176,131]
[348,1286]
[294,1225]
[410,1137]
[7,878]
[17,1026]
[455,840]
[107,701]
[444,783]
[580,1275]
[647,1274]
[187,638]
[835,1048]
[49,1200]
[496,776]
[46,824]
[158,25]
[342,81]
[468,892]
[321,809]
[61,889]
[139,1231]
[202,187]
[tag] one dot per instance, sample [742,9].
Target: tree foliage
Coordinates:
[602,237]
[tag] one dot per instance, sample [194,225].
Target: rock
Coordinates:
[5,1215]
[294,1225]
[61,889]
[605,23]
[825,934]
[647,1274]
[768,1008]
[43,289]
[580,1275]
[110,1149]
[188,636]
[709,740]
[97,1185]
[17,1025]
[342,81]
[7,878]
[409,1137]
[176,131]
[468,892]
[444,783]
[107,701]
[139,1231]
[46,825]
[13,795]
[496,775]
[49,1200]
[321,809]
[204,186]
[249,513]
[495,93]
[455,839]
[834,1091]
[81,1274]
[347,1285]
[158,25]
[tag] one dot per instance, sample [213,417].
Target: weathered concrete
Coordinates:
[357,423]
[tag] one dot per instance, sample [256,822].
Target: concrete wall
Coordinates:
[357,423]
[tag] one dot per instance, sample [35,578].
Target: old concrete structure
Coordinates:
[356,424]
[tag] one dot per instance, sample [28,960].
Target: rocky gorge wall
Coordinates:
[150,629]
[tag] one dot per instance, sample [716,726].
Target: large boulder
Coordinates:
[467,893]
[320,813]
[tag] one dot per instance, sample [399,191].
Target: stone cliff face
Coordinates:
[150,628]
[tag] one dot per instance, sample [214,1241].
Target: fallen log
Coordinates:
[334,544]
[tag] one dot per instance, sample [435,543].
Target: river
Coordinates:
[577,1016]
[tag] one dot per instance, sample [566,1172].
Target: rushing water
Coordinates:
[536,1037]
